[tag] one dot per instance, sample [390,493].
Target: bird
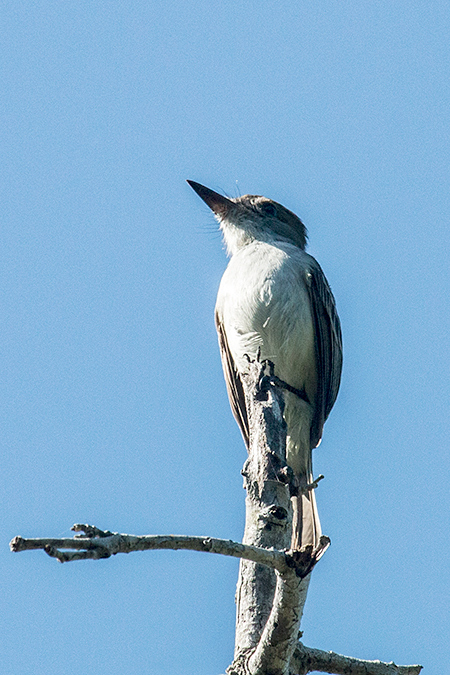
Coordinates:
[274,303]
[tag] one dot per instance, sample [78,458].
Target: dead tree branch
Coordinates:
[308,660]
[273,580]
[269,604]
[96,544]
[105,544]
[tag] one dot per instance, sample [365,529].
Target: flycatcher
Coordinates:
[274,298]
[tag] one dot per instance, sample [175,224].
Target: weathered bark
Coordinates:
[268,517]
[269,606]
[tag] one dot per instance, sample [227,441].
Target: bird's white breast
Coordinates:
[263,302]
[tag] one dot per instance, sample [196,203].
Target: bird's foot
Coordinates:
[281,384]
[267,378]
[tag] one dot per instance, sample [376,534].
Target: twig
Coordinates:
[307,660]
[104,544]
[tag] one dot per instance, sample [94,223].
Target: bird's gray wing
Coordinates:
[233,381]
[328,345]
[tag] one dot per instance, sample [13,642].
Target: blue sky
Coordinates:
[112,402]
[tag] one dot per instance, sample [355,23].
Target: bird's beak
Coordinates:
[217,203]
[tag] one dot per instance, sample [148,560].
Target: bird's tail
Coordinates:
[306,527]
[305,522]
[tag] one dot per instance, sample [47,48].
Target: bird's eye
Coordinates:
[269,209]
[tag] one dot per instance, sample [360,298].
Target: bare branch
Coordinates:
[269,605]
[307,660]
[104,544]
[315,483]
[273,583]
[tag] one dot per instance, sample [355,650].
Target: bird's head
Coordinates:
[252,218]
